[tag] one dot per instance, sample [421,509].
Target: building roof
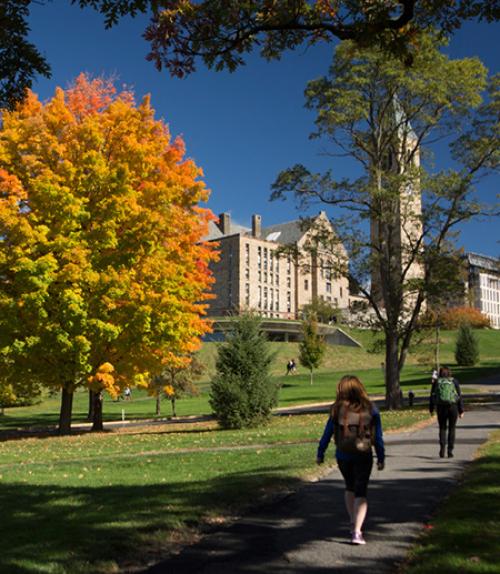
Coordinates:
[484,262]
[215,233]
[284,233]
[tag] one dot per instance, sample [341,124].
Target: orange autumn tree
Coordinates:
[103,271]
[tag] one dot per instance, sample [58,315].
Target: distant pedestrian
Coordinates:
[435,376]
[127,393]
[355,424]
[291,367]
[446,398]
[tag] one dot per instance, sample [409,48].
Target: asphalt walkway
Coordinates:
[307,531]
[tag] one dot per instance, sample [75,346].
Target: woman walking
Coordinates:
[446,398]
[355,424]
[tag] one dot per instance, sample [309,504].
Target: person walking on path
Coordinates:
[355,424]
[446,398]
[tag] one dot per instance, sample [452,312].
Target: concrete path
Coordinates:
[307,531]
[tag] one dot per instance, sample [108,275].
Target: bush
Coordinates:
[456,316]
[466,348]
[242,393]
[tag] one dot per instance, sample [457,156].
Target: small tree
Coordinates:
[242,392]
[312,348]
[466,348]
[176,381]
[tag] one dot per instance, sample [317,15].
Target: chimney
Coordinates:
[256,225]
[225,223]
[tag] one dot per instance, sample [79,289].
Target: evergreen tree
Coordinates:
[466,348]
[312,348]
[242,392]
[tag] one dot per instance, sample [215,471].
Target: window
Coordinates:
[277,301]
[271,260]
[247,294]
[265,276]
[247,274]
[247,254]
[288,265]
[328,287]
[277,263]
[277,279]
[259,257]
[289,282]
[341,292]
[260,276]
[265,297]
[289,301]
[260,297]
[265,257]
[306,284]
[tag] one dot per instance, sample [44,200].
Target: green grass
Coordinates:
[464,537]
[97,503]
[294,389]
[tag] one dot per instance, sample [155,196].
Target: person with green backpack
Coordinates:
[446,399]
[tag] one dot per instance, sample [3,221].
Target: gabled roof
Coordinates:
[283,233]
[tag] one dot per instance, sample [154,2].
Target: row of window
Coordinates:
[490,295]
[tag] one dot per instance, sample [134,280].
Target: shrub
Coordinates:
[456,316]
[242,393]
[466,348]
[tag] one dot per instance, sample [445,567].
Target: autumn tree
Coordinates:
[103,272]
[397,218]
[221,32]
[312,347]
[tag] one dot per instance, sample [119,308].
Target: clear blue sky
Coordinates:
[241,128]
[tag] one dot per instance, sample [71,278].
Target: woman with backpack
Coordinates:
[355,424]
[446,398]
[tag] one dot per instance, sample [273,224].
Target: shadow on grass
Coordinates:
[77,530]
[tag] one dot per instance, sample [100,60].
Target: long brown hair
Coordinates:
[352,394]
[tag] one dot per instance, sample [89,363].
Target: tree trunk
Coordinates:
[311,374]
[158,404]
[97,399]
[173,408]
[65,411]
[90,413]
[392,387]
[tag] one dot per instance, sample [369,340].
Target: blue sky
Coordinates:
[241,128]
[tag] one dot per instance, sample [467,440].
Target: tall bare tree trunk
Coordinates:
[97,399]
[66,410]
[392,386]
[158,404]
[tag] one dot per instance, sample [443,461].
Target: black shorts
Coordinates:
[356,473]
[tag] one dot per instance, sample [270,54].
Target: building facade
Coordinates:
[484,286]
[254,273]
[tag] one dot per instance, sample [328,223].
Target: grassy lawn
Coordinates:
[464,537]
[294,389]
[98,503]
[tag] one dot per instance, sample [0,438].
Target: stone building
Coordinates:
[253,275]
[483,286]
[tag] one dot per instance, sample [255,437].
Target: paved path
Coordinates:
[306,532]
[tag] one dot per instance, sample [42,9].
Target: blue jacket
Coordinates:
[330,430]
